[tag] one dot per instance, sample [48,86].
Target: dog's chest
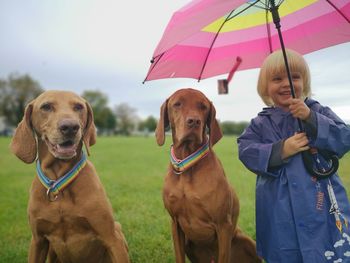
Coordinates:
[60,219]
[62,222]
[177,199]
[191,205]
[185,195]
[68,232]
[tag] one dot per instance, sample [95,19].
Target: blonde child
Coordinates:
[297,216]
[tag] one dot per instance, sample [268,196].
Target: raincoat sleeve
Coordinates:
[332,133]
[310,125]
[276,154]
[254,153]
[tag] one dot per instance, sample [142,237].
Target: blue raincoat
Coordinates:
[293,219]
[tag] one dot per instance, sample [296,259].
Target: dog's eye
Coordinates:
[78,107]
[46,107]
[177,104]
[203,107]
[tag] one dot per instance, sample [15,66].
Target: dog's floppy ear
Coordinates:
[215,133]
[163,123]
[89,136]
[23,143]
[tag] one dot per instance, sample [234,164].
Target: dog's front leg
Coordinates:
[179,241]
[112,237]
[52,256]
[39,247]
[224,233]
[119,250]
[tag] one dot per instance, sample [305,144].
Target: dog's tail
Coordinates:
[243,248]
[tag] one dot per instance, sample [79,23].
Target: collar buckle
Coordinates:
[52,197]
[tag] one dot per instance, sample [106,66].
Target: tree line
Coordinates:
[17,90]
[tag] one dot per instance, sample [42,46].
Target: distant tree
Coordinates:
[149,124]
[97,99]
[15,93]
[233,128]
[126,117]
[3,84]
[105,119]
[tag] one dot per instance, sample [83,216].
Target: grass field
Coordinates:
[132,171]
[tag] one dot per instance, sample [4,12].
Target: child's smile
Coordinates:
[279,88]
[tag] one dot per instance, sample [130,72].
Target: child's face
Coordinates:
[279,89]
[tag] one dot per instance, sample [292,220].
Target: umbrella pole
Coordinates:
[311,156]
[276,21]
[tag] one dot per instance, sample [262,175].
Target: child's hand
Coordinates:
[294,144]
[299,109]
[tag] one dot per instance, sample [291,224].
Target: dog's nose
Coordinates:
[68,127]
[193,122]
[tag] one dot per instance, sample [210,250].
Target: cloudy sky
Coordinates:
[106,45]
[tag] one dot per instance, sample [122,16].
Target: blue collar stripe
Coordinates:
[58,185]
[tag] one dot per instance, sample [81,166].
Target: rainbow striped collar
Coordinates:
[55,186]
[180,166]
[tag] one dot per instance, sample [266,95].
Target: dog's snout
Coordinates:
[68,127]
[193,122]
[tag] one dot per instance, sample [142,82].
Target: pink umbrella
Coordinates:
[205,38]
[212,37]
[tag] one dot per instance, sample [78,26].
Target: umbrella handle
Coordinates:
[314,167]
[234,68]
[223,83]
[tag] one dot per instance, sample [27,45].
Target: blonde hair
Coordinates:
[274,64]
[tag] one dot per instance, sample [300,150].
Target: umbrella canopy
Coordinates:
[205,38]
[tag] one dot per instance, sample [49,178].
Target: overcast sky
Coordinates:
[106,45]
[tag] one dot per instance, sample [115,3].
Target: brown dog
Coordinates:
[74,223]
[203,207]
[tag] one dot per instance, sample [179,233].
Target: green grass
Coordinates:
[132,171]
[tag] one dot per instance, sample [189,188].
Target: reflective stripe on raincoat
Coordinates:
[293,222]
